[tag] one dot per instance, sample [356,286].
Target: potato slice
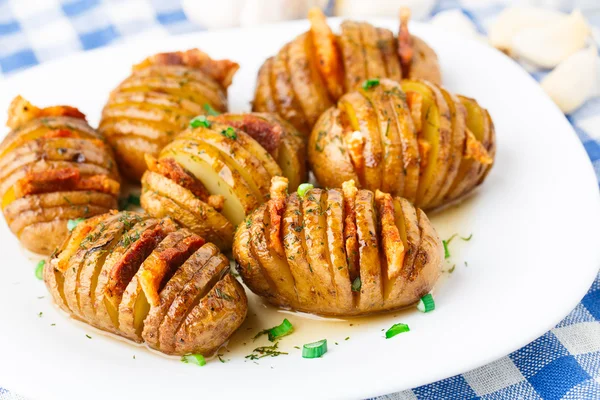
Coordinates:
[326,51]
[236,156]
[188,72]
[371,289]
[286,101]
[130,153]
[165,101]
[94,259]
[263,95]
[363,122]
[315,237]
[214,319]
[172,288]
[458,121]
[436,133]
[326,147]
[373,57]
[142,291]
[392,179]
[425,64]
[428,260]
[209,167]
[471,170]
[334,211]
[306,81]
[354,60]
[174,119]
[200,284]
[275,267]
[119,267]
[387,45]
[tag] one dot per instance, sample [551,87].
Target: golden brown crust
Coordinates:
[348,252]
[53,167]
[158,279]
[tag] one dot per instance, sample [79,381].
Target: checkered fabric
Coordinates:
[562,364]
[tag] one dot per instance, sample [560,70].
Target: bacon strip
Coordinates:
[267,134]
[21,111]
[62,180]
[169,168]
[405,42]
[393,247]
[275,207]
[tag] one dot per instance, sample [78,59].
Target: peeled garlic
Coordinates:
[549,45]
[513,20]
[574,80]
[456,21]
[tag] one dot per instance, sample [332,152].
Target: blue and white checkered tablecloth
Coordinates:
[562,364]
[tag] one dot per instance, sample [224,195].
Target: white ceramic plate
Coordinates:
[533,254]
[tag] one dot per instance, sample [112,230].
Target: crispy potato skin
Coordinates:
[53,167]
[158,100]
[412,139]
[315,276]
[318,67]
[126,273]
[232,157]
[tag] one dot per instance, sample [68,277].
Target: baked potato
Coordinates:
[147,280]
[158,100]
[313,71]
[338,252]
[214,174]
[53,167]
[412,139]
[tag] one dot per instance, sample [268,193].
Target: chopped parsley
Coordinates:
[229,133]
[199,121]
[370,83]
[447,242]
[265,351]
[223,295]
[356,284]
[88,336]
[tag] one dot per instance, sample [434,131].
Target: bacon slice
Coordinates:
[393,247]
[349,192]
[266,133]
[62,180]
[21,111]
[170,169]
[275,207]
[221,71]
[405,42]
[474,149]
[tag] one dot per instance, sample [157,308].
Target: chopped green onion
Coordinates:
[199,121]
[197,359]
[466,239]
[39,270]
[315,349]
[426,303]
[229,133]
[356,285]
[210,110]
[284,329]
[303,188]
[396,329]
[72,223]
[370,83]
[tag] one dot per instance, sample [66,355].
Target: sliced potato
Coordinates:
[373,57]
[425,64]
[263,95]
[354,60]
[389,52]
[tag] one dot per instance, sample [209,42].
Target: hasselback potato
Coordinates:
[314,70]
[214,174]
[412,139]
[147,280]
[53,167]
[157,101]
[338,252]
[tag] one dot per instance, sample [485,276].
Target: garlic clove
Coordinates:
[213,14]
[513,20]
[549,45]
[456,21]
[574,80]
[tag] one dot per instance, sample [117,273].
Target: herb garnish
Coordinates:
[197,359]
[229,133]
[356,284]
[72,223]
[199,121]
[39,270]
[209,110]
[370,83]
[265,351]
[447,242]
[223,295]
